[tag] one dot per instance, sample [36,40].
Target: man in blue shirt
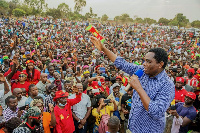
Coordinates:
[153,91]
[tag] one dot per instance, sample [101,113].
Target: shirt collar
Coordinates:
[160,75]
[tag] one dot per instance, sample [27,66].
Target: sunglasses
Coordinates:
[35,117]
[22,76]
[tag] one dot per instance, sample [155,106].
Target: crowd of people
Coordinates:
[53,79]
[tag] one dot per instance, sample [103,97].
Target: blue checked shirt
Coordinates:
[161,91]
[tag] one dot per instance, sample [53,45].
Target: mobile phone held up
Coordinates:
[106,101]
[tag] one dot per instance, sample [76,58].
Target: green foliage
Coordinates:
[64,9]
[149,21]
[139,20]
[179,20]
[18,12]
[164,21]
[4,7]
[123,18]
[173,23]
[55,13]
[79,4]
[196,24]
[104,17]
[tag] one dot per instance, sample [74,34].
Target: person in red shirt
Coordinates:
[22,83]
[63,113]
[33,74]
[179,91]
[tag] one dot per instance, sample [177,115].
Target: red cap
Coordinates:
[119,77]
[23,73]
[97,67]
[30,61]
[181,79]
[60,94]
[191,70]
[191,95]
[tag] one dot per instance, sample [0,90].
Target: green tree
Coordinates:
[55,13]
[196,24]
[79,4]
[18,12]
[27,9]
[104,17]
[4,7]
[138,20]
[164,21]
[173,23]
[64,9]
[149,21]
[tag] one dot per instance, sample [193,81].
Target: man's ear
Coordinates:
[161,64]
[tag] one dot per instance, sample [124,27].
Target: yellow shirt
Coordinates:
[105,110]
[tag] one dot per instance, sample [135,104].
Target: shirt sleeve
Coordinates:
[191,115]
[159,105]
[94,112]
[1,93]
[126,66]
[89,102]
[75,100]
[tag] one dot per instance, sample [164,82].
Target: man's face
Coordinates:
[130,92]
[56,76]
[44,78]
[116,90]
[179,84]
[86,61]
[188,100]
[13,104]
[34,91]
[80,88]
[51,70]
[62,100]
[68,87]
[18,93]
[118,81]
[151,66]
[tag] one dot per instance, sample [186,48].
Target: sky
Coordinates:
[142,8]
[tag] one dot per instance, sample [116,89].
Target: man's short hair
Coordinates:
[30,86]
[113,124]
[8,98]
[160,55]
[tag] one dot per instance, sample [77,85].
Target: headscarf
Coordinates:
[33,111]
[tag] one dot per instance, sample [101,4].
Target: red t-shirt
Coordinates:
[18,85]
[64,119]
[36,77]
[180,94]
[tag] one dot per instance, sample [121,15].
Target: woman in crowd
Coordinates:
[48,120]
[33,74]
[102,109]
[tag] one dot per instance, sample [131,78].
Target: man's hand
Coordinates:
[97,43]
[80,126]
[135,83]
[125,112]
[1,111]
[20,112]
[2,78]
[82,122]
[174,113]
[51,107]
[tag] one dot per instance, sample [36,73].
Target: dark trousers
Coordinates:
[77,130]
